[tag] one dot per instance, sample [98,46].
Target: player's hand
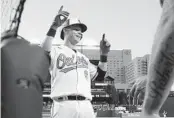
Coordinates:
[60,18]
[138,89]
[161,2]
[104,46]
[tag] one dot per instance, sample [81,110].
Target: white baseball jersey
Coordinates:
[71,73]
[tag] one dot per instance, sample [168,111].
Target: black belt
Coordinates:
[72,98]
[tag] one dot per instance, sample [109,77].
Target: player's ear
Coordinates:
[65,30]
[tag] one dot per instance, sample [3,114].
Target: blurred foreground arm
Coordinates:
[161,67]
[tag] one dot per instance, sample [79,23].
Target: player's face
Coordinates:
[74,34]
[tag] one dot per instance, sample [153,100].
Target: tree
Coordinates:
[113,93]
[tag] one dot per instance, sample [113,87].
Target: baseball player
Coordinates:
[72,71]
[161,70]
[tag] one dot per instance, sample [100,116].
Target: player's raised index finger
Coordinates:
[61,8]
[103,37]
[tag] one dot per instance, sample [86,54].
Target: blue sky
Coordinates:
[128,24]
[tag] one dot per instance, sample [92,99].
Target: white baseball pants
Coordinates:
[72,109]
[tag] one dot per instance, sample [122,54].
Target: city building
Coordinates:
[136,68]
[99,91]
[122,87]
[117,60]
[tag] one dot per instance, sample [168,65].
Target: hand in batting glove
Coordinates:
[58,21]
[104,46]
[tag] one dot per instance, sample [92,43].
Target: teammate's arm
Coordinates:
[52,31]
[102,66]
[161,64]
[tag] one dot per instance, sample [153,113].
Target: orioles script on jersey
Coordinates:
[70,62]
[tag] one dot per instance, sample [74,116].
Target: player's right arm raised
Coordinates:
[47,43]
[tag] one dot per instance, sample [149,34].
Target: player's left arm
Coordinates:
[102,66]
